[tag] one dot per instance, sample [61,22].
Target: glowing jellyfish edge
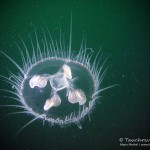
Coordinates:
[58,52]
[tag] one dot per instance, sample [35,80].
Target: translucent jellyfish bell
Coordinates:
[62,90]
[56,84]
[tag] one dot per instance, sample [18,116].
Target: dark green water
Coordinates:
[123,28]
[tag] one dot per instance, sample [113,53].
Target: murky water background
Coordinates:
[123,30]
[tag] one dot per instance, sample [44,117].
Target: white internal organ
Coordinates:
[39,81]
[67,71]
[75,96]
[54,101]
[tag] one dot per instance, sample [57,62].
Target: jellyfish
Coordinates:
[56,84]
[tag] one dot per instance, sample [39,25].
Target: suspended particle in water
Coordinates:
[56,84]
